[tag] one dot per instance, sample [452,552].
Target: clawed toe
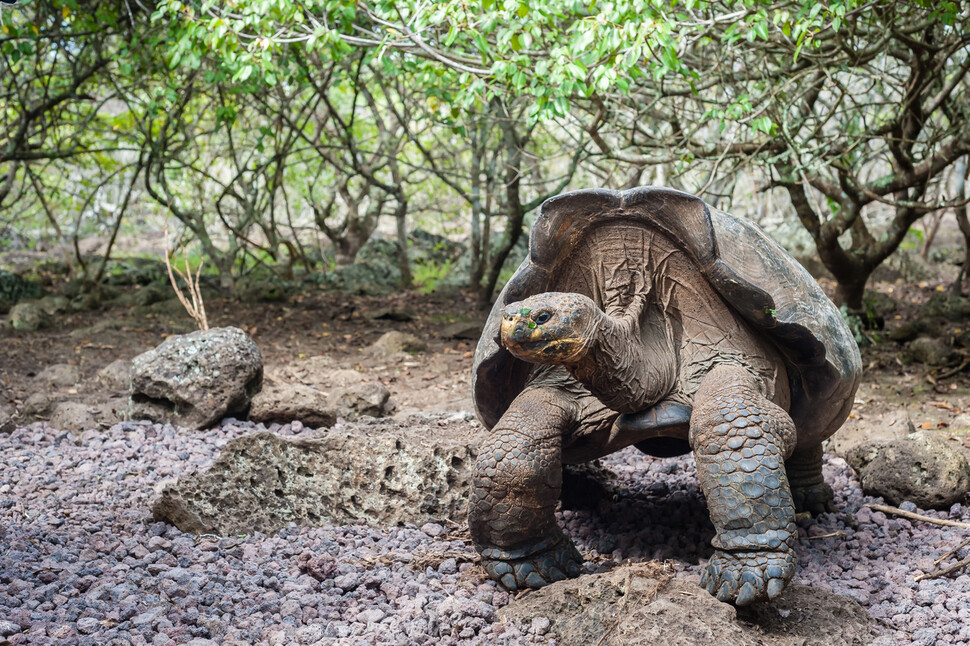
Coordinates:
[744,578]
[533,569]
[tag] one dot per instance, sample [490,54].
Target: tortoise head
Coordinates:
[554,328]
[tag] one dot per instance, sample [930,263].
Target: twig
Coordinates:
[812,538]
[952,552]
[947,570]
[953,371]
[910,515]
[196,308]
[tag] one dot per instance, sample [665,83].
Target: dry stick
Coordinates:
[815,538]
[196,308]
[947,570]
[910,515]
[952,552]
[953,371]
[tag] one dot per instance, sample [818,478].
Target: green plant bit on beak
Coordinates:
[524,311]
[532,325]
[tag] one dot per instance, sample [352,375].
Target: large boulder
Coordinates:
[648,605]
[384,472]
[920,468]
[196,379]
[284,403]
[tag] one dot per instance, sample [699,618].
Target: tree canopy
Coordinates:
[260,116]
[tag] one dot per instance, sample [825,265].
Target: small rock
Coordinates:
[320,567]
[540,625]
[115,376]
[284,403]
[8,628]
[55,304]
[29,316]
[906,332]
[392,314]
[930,351]
[948,305]
[470,330]
[395,342]
[74,417]
[7,423]
[371,399]
[59,375]
[88,625]
[920,468]
[37,404]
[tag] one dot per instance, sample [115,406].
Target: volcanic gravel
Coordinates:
[83,563]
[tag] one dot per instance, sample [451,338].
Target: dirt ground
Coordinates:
[341,328]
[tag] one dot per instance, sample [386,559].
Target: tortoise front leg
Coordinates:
[740,440]
[516,485]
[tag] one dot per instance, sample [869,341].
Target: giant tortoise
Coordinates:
[648,318]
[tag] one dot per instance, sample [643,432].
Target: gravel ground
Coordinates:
[82,562]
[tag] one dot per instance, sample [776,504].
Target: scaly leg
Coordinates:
[516,485]
[809,491]
[740,440]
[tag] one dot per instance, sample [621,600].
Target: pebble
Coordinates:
[106,575]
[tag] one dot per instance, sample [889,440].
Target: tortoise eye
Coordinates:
[543,318]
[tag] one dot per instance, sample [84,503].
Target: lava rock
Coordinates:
[7,423]
[115,376]
[395,342]
[382,472]
[930,351]
[283,403]
[59,375]
[196,379]
[948,305]
[870,429]
[372,400]
[36,405]
[466,329]
[648,605]
[920,468]
[74,417]
[29,316]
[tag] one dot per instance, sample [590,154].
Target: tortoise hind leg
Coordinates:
[516,485]
[740,441]
[809,490]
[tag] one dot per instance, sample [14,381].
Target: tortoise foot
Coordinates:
[535,566]
[745,577]
[814,499]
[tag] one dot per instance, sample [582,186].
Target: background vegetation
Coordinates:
[280,136]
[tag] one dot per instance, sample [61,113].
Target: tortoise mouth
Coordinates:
[554,351]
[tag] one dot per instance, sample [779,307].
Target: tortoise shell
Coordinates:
[753,274]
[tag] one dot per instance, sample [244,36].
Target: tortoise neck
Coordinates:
[620,370]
